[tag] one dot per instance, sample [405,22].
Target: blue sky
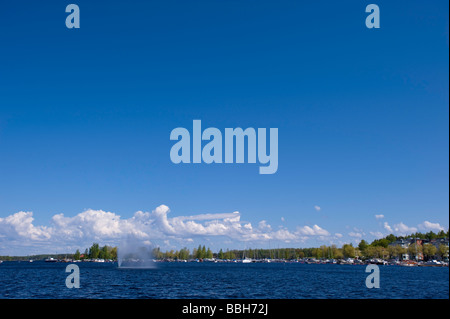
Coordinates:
[86,114]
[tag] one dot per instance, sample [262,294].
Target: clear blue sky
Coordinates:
[362,114]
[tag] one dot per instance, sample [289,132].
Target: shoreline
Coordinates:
[348,261]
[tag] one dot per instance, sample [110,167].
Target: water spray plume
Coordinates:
[134,253]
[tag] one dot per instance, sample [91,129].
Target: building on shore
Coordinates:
[417,253]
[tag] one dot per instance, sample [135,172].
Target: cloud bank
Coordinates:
[19,231]
[19,234]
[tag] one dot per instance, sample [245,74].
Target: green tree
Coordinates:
[401,251]
[157,254]
[429,251]
[94,251]
[170,254]
[383,242]
[230,255]
[443,251]
[183,254]
[396,251]
[414,250]
[104,253]
[199,252]
[203,255]
[114,253]
[324,251]
[77,255]
[383,252]
[339,254]
[430,235]
[370,252]
[209,253]
[317,253]
[221,254]
[441,234]
[363,246]
[391,238]
[336,252]
[348,250]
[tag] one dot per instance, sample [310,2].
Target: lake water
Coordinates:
[40,280]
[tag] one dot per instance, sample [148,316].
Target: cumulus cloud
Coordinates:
[209,216]
[377,234]
[399,229]
[95,224]
[355,234]
[102,226]
[264,227]
[284,235]
[314,231]
[157,226]
[387,227]
[380,216]
[403,230]
[20,225]
[428,226]
[317,208]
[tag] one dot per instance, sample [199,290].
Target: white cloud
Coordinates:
[264,227]
[314,231]
[380,216]
[428,226]
[283,234]
[19,231]
[354,234]
[209,216]
[403,230]
[377,234]
[107,227]
[20,225]
[399,229]
[388,228]
[317,208]
[93,224]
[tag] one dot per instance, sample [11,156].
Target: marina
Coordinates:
[247,260]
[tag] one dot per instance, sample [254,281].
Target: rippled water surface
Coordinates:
[41,280]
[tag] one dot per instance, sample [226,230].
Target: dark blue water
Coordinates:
[221,280]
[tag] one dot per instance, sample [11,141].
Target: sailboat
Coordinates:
[246,260]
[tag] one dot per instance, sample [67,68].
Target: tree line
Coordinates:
[379,248]
[97,252]
[382,248]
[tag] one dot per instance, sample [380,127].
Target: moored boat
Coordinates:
[408,263]
[432,263]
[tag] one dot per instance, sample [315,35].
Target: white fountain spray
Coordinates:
[135,253]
